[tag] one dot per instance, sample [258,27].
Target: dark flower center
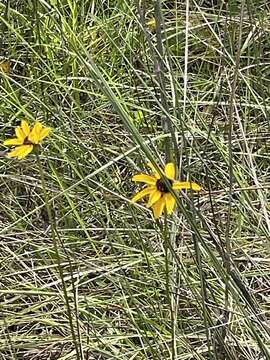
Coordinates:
[27,142]
[162,187]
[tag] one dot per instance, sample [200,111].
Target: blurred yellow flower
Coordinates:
[5,67]
[159,194]
[151,24]
[27,139]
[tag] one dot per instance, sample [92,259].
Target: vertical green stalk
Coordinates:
[79,354]
[158,54]
[203,293]
[231,176]
[160,70]
[159,67]
[170,284]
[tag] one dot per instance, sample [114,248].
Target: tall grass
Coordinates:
[86,274]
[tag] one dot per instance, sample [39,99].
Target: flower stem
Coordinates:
[170,280]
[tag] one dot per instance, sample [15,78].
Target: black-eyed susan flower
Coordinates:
[26,139]
[160,198]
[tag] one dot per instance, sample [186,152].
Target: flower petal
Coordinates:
[143,193]
[14,152]
[158,207]
[25,127]
[170,203]
[151,180]
[44,133]
[14,141]
[153,198]
[21,151]
[34,135]
[20,134]
[154,170]
[183,185]
[25,151]
[170,171]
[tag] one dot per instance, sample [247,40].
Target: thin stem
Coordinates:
[170,291]
[160,69]
[55,245]
[226,315]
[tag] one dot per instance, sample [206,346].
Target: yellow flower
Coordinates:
[5,67]
[159,194]
[26,139]
[151,24]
